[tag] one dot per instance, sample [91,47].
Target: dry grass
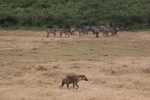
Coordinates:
[32,66]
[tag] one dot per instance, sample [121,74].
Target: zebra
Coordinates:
[51,31]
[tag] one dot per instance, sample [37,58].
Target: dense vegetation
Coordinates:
[43,13]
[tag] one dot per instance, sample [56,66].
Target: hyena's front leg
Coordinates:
[74,84]
[77,85]
[67,85]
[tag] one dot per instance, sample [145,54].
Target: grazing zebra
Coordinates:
[106,30]
[51,31]
[114,31]
[64,31]
[72,30]
[84,30]
[109,29]
[95,30]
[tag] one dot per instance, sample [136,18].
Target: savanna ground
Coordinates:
[32,66]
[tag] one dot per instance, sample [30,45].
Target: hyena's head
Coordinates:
[83,77]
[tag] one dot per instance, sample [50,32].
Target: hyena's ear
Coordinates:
[85,78]
[80,77]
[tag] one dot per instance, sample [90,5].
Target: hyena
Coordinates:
[73,79]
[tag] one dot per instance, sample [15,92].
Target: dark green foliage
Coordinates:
[64,13]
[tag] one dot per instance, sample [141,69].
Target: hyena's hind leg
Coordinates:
[75,84]
[65,81]
[62,83]
[67,85]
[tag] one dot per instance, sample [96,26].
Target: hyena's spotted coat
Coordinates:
[73,79]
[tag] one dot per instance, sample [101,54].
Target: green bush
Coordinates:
[64,13]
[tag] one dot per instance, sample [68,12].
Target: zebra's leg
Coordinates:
[69,34]
[105,34]
[47,34]
[80,34]
[54,34]
[97,34]
[61,34]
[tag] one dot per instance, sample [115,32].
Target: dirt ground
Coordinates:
[32,66]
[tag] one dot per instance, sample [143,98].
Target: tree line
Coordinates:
[64,13]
